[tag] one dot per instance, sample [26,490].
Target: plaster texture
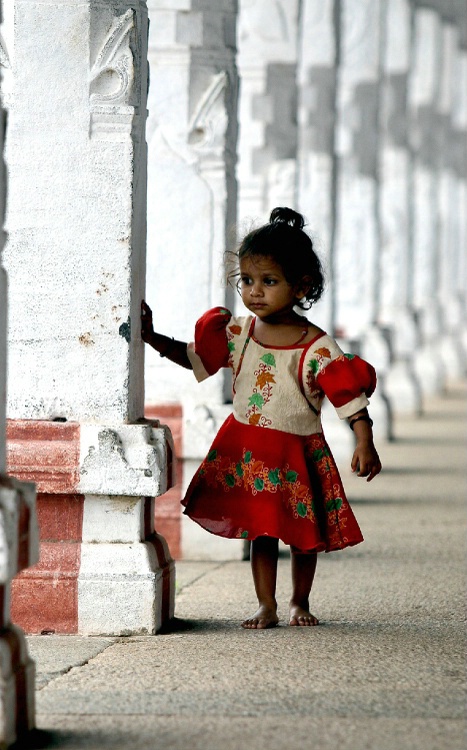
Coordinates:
[124,459]
[83,307]
[385,668]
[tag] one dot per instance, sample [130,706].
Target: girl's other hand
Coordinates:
[147,329]
[365,460]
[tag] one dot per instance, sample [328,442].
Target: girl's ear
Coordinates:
[302,288]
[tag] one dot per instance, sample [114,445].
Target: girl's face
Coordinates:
[264,289]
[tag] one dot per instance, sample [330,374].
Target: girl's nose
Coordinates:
[256,290]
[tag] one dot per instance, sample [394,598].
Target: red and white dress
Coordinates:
[269,471]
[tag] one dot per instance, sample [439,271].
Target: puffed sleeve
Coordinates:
[209,351]
[347,381]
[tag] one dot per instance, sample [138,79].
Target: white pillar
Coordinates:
[191,175]
[357,268]
[459,160]
[267,61]
[396,312]
[357,153]
[19,543]
[317,80]
[424,91]
[76,156]
[192,134]
[450,210]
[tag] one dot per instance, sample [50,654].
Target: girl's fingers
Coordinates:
[354,462]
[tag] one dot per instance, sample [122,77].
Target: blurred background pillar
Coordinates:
[316,115]
[396,310]
[357,278]
[267,151]
[424,90]
[450,211]
[192,210]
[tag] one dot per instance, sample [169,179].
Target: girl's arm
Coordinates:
[166,346]
[365,460]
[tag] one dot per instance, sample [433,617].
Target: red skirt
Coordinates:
[261,482]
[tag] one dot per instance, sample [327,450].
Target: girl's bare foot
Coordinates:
[301,616]
[264,617]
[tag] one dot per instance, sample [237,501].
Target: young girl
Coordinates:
[269,474]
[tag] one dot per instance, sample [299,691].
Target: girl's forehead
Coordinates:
[263,264]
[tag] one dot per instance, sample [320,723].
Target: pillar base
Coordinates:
[17,683]
[402,389]
[125,589]
[429,370]
[102,569]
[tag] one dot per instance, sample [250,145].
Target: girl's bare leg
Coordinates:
[264,554]
[303,573]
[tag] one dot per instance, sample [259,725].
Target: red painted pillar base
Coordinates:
[93,543]
[168,511]
[45,596]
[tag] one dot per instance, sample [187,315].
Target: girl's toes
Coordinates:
[302,618]
[250,624]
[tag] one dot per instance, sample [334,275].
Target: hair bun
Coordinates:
[282,215]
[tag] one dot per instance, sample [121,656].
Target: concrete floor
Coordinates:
[385,670]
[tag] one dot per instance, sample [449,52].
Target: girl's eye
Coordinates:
[245,280]
[270,282]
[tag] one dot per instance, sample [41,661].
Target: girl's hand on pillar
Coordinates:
[147,329]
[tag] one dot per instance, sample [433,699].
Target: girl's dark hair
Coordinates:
[284,240]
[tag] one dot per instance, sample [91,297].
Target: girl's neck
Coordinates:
[284,332]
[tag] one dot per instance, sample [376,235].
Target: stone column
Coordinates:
[267,61]
[424,83]
[396,311]
[19,543]
[317,81]
[458,158]
[450,208]
[357,153]
[357,262]
[192,134]
[76,155]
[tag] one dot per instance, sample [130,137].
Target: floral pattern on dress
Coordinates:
[314,366]
[262,391]
[255,477]
[335,503]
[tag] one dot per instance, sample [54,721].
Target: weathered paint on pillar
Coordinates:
[192,133]
[76,365]
[83,242]
[267,61]
[19,542]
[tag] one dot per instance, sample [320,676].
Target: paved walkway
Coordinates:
[385,670]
